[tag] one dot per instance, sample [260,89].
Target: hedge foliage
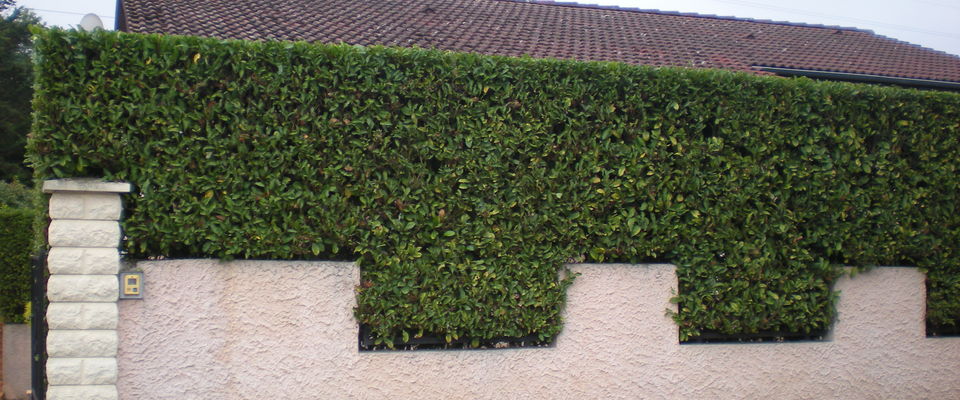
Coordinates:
[462,183]
[16,246]
[16,195]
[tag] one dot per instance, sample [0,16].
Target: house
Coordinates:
[288,329]
[546,29]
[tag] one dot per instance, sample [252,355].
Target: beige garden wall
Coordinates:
[284,330]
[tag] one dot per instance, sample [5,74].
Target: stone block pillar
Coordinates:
[83,289]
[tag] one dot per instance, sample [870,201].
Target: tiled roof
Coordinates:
[547,29]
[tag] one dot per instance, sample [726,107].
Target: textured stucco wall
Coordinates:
[268,329]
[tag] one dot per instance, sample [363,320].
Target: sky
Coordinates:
[930,23]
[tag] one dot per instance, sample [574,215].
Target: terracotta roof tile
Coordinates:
[547,29]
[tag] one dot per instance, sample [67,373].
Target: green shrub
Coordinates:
[16,237]
[462,183]
[15,195]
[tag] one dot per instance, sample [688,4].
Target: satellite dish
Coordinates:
[90,22]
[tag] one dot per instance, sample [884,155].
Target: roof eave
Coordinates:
[865,78]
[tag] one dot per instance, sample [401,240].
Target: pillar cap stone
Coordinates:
[85,185]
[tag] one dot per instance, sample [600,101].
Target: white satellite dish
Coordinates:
[90,22]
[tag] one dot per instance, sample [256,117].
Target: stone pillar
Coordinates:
[83,261]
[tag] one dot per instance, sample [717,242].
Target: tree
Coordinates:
[16,80]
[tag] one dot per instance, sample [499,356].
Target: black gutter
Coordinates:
[866,78]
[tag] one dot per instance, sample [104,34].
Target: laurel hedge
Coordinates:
[462,183]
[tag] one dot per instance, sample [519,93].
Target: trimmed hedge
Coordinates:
[16,245]
[462,183]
